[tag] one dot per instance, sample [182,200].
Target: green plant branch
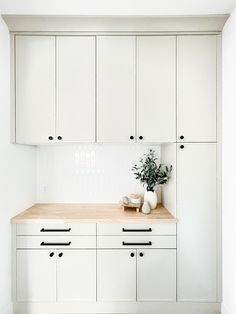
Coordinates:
[149,173]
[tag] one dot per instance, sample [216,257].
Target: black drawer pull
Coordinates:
[55,243]
[137,230]
[137,243]
[55,230]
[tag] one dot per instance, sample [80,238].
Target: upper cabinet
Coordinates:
[55,89]
[196,88]
[35,89]
[75,74]
[116,88]
[156,88]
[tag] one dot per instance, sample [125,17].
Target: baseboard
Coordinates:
[118,308]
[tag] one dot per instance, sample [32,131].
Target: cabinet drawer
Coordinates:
[65,242]
[113,242]
[57,229]
[136,229]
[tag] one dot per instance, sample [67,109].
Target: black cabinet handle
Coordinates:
[181,137]
[141,254]
[137,230]
[132,254]
[55,243]
[140,137]
[59,138]
[131,137]
[181,147]
[60,254]
[50,138]
[55,230]
[51,254]
[137,243]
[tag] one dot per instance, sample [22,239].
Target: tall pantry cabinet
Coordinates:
[197,168]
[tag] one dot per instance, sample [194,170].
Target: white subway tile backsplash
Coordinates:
[74,173]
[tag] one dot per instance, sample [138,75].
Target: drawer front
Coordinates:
[63,242]
[136,229]
[56,229]
[152,242]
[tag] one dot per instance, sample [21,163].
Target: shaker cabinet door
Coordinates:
[36,276]
[156,88]
[75,88]
[76,275]
[115,88]
[116,275]
[197,222]
[196,88]
[35,89]
[156,275]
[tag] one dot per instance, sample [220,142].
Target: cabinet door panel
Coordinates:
[36,276]
[197,223]
[196,91]
[35,89]
[76,275]
[156,92]
[116,275]
[156,275]
[116,88]
[76,88]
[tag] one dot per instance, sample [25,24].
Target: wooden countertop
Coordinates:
[95,213]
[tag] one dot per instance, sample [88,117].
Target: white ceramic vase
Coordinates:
[151,198]
[146,208]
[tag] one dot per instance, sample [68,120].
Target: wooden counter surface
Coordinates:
[90,213]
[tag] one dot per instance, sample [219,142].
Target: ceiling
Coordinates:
[117,7]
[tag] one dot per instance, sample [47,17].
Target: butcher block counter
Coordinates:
[90,213]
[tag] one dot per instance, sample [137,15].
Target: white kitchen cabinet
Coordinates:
[36,276]
[75,74]
[76,275]
[116,88]
[156,275]
[56,275]
[35,89]
[116,275]
[156,88]
[197,222]
[196,88]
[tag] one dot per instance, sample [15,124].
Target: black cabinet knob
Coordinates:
[141,137]
[181,137]
[132,254]
[51,254]
[50,138]
[59,138]
[131,137]
[60,254]
[141,254]
[181,147]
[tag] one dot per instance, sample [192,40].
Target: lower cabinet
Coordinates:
[76,275]
[142,275]
[116,271]
[156,275]
[56,275]
[63,270]
[36,276]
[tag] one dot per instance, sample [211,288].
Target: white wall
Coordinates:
[17,175]
[87,173]
[229,169]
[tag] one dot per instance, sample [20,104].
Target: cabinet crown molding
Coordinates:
[96,24]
